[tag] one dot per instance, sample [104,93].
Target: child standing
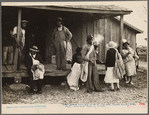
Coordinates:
[110,64]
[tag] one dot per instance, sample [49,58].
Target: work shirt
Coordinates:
[61,34]
[85,50]
[22,38]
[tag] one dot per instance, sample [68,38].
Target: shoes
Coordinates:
[31,93]
[111,89]
[89,91]
[127,81]
[118,89]
[100,90]
[131,83]
[39,92]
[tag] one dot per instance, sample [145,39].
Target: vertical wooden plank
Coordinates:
[98,32]
[117,34]
[111,31]
[102,32]
[121,31]
[83,33]
[105,38]
[18,37]
[95,28]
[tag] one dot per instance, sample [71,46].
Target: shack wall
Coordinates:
[109,28]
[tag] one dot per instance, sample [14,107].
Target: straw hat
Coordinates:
[34,48]
[24,21]
[111,44]
[59,19]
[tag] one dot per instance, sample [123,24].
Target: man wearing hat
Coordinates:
[35,69]
[89,55]
[61,35]
[21,43]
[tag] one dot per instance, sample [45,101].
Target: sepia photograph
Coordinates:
[74,57]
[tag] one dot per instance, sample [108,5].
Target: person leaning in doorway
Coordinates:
[61,35]
[21,42]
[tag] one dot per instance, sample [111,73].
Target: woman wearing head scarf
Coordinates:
[110,64]
[129,56]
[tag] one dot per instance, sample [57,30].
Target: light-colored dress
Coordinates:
[129,62]
[73,77]
[110,77]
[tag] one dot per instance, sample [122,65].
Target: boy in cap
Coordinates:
[61,35]
[35,69]
[21,43]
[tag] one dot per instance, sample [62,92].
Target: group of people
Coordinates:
[84,61]
[10,43]
[84,68]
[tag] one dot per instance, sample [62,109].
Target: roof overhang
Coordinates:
[130,26]
[100,10]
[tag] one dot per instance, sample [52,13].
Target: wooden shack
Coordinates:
[81,21]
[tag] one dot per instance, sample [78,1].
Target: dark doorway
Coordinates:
[38,24]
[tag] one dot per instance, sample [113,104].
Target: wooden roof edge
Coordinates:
[130,25]
[81,10]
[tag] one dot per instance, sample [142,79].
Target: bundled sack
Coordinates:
[119,69]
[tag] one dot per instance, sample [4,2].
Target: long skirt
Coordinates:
[130,68]
[73,77]
[93,78]
[110,77]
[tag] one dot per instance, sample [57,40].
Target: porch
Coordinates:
[50,70]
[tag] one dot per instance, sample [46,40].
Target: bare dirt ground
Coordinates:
[58,94]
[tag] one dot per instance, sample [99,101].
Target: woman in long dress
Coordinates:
[128,55]
[110,64]
[90,75]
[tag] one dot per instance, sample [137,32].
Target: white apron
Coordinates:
[84,72]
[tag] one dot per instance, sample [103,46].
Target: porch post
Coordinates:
[18,37]
[121,32]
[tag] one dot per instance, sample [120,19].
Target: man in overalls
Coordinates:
[61,36]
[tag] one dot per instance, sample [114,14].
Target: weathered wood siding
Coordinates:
[109,28]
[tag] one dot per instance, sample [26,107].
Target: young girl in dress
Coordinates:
[110,64]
